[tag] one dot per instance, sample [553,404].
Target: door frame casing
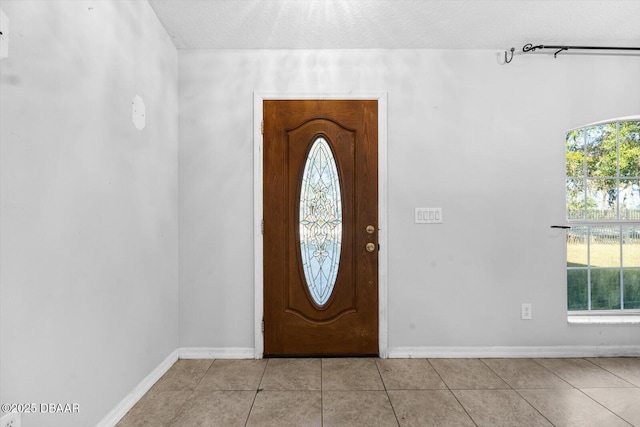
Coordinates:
[258,98]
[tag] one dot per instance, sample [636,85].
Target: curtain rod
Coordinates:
[560,48]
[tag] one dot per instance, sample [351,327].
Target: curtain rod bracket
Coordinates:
[555,55]
[529,47]
[506,61]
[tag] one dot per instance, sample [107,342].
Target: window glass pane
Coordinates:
[574,152]
[603,191]
[601,148]
[577,289]
[602,199]
[320,221]
[629,196]
[604,248]
[631,280]
[631,246]
[577,246]
[629,149]
[576,208]
[605,289]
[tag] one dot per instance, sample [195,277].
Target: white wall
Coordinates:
[483,141]
[89,227]
[89,261]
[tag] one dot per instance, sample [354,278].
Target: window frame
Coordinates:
[591,315]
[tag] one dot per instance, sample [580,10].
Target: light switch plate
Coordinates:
[525,311]
[428,216]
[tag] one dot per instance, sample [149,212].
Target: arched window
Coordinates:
[603,208]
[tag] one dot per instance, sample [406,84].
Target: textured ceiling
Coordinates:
[439,24]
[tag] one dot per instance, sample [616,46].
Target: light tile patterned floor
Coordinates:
[348,392]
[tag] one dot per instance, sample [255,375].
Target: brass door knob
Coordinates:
[370,247]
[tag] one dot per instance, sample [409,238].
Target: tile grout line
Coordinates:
[173,418]
[530,404]
[451,392]
[552,372]
[520,395]
[386,392]
[596,401]
[577,388]
[602,405]
[612,373]
[258,390]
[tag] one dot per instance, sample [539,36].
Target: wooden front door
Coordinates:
[320,227]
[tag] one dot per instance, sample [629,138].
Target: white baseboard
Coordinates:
[216,353]
[515,351]
[121,409]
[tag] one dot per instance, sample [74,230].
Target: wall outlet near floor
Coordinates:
[12,419]
[525,312]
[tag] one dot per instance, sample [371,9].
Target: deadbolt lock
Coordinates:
[370,229]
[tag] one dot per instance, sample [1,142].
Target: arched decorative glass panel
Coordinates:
[320,221]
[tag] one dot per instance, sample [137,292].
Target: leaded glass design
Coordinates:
[320,221]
